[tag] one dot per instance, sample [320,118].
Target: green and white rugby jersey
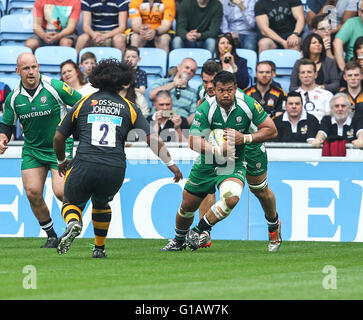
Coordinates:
[245,113]
[39,115]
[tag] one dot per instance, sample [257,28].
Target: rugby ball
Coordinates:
[216,139]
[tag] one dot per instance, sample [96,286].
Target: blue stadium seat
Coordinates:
[199,55]
[251,57]
[20,6]
[8,55]
[153,61]
[50,57]
[15,29]
[102,53]
[2,8]
[11,80]
[284,60]
[195,82]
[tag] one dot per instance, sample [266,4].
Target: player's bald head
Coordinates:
[26,57]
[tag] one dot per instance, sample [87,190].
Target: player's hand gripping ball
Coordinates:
[216,139]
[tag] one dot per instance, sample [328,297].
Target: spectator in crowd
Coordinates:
[4,91]
[87,63]
[328,74]
[72,75]
[104,24]
[353,76]
[281,24]
[198,24]
[337,11]
[130,93]
[321,26]
[132,57]
[315,99]
[151,22]
[184,97]
[346,37]
[339,127]
[239,19]
[271,98]
[209,69]
[230,60]
[54,23]
[314,8]
[169,125]
[358,51]
[295,124]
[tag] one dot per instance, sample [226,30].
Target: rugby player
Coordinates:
[39,103]
[235,112]
[102,122]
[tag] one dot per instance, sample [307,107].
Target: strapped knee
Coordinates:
[185,214]
[228,189]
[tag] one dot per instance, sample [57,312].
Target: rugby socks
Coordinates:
[71,212]
[101,221]
[273,223]
[180,234]
[47,226]
[203,225]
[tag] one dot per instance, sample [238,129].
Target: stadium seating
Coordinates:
[284,60]
[11,80]
[50,57]
[153,61]
[20,6]
[102,52]
[2,8]
[15,29]
[8,55]
[199,55]
[251,57]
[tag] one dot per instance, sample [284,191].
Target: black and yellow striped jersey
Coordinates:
[101,122]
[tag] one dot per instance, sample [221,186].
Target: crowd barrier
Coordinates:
[318,198]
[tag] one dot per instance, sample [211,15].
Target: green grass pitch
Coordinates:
[136,269]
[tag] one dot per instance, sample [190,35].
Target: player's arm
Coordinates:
[5,136]
[156,145]
[63,131]
[266,131]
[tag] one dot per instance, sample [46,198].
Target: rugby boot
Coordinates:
[174,245]
[205,240]
[99,253]
[74,228]
[274,239]
[193,239]
[52,242]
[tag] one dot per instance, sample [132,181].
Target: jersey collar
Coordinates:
[25,93]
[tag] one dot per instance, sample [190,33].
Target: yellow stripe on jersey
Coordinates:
[75,114]
[132,112]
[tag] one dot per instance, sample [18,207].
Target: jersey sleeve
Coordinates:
[325,124]
[259,114]
[169,12]
[200,125]
[9,116]
[68,95]
[134,9]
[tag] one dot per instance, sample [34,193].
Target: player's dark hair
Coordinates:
[224,77]
[111,75]
[295,94]
[211,67]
